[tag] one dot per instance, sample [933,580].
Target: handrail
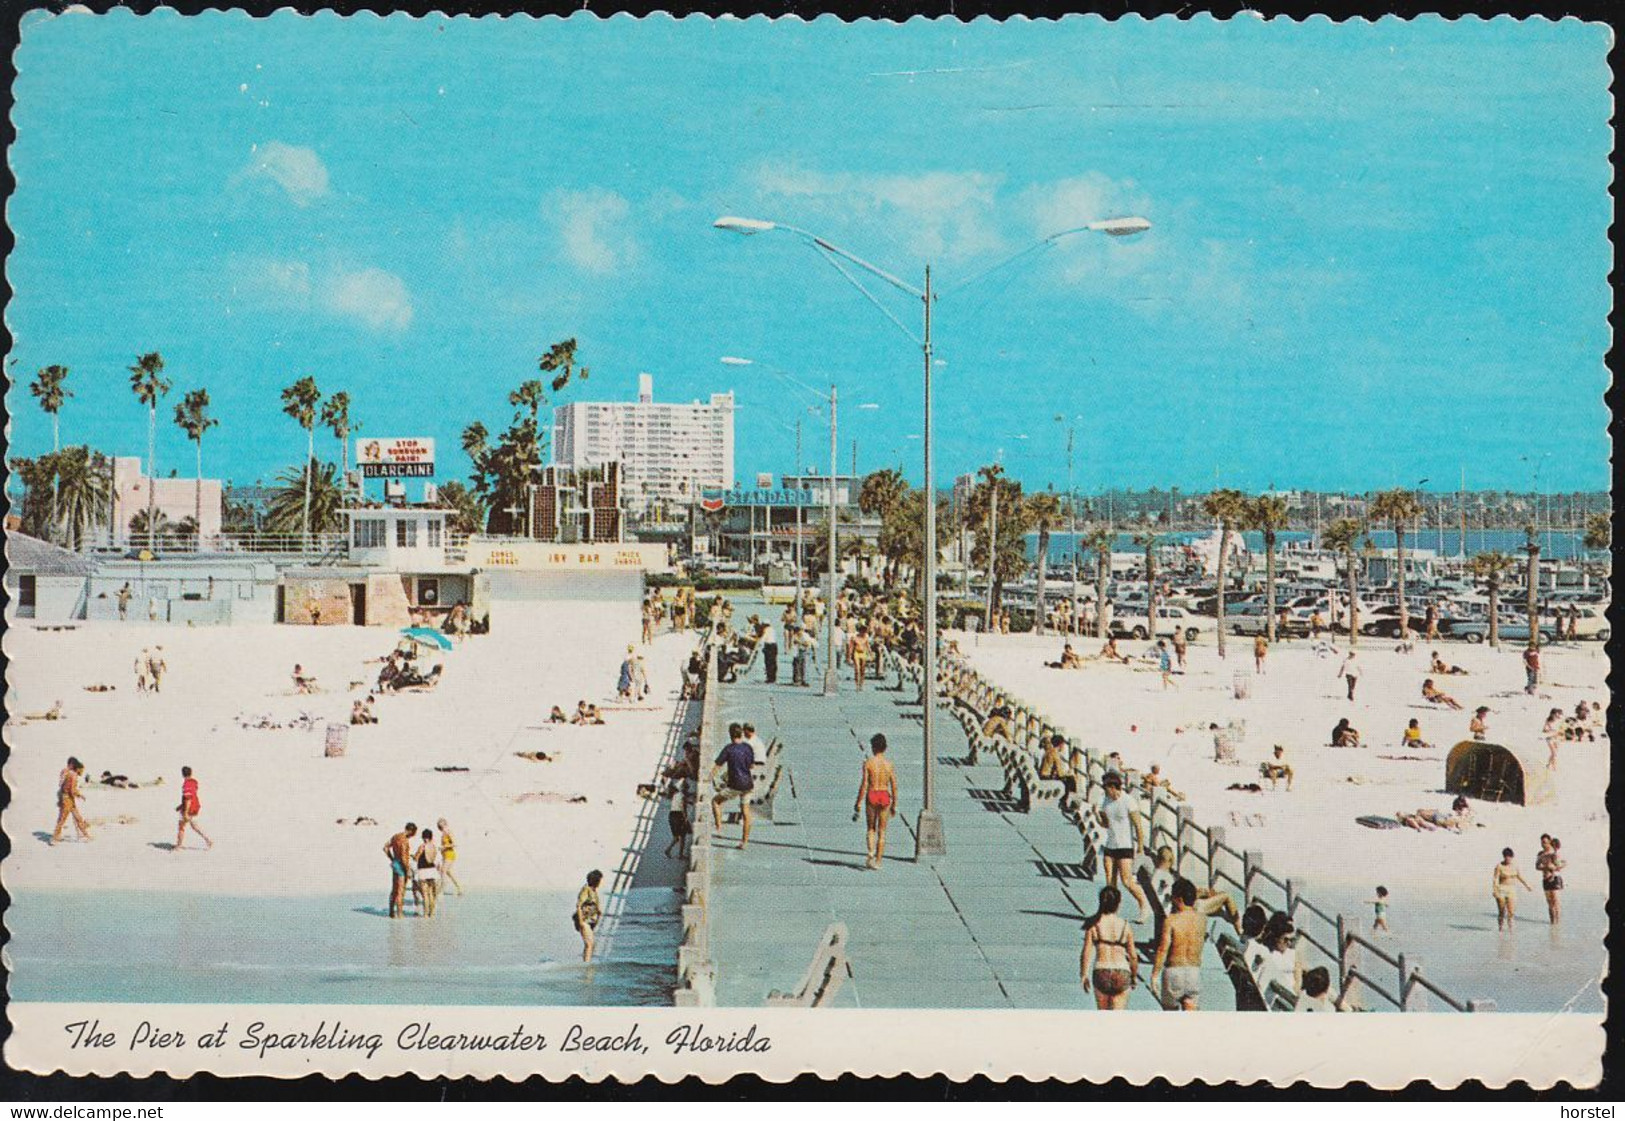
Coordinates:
[961,679]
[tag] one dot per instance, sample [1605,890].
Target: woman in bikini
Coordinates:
[188,809]
[1431,694]
[1502,877]
[877,797]
[427,874]
[1110,961]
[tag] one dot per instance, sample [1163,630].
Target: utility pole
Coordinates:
[992,549]
[928,836]
[829,614]
[798,521]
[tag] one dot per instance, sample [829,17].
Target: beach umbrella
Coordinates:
[428,636]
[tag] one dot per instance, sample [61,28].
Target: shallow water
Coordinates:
[484,948]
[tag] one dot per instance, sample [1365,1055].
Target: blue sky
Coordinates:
[1379,251]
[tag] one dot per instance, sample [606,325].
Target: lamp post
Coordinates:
[829,614]
[928,835]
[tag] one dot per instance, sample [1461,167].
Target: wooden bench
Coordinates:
[825,975]
[1248,998]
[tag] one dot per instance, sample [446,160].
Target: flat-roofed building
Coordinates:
[668,452]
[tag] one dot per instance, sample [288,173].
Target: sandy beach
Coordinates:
[1312,832]
[282,816]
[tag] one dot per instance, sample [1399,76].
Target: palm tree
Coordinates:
[1149,541]
[83,492]
[468,514]
[1343,536]
[48,389]
[529,396]
[1228,508]
[1491,568]
[1399,508]
[151,526]
[192,414]
[992,480]
[1267,513]
[148,383]
[1099,541]
[299,401]
[1599,532]
[336,417]
[882,493]
[306,499]
[560,361]
[1532,579]
[1043,513]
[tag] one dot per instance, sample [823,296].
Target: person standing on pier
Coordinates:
[877,797]
[1123,840]
[736,759]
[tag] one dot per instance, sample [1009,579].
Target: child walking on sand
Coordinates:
[188,809]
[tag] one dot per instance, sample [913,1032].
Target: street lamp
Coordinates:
[928,835]
[829,612]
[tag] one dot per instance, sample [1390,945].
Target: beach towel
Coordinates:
[1374,822]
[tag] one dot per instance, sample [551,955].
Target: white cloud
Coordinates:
[374,297]
[935,215]
[298,171]
[593,229]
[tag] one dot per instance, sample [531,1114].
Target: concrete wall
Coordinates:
[387,603]
[57,599]
[195,591]
[325,601]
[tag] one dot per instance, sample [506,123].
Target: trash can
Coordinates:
[1242,684]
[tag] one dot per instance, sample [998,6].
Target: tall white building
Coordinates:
[669,453]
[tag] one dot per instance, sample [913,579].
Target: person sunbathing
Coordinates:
[1069,659]
[587,714]
[412,679]
[1111,653]
[1439,667]
[557,716]
[1277,768]
[55,713]
[1432,695]
[1412,737]
[1427,821]
[1345,734]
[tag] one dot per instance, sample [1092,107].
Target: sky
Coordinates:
[1378,252]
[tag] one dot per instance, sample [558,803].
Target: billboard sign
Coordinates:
[713,499]
[395,458]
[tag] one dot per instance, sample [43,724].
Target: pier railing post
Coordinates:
[1291,899]
[1251,861]
[1181,831]
[1215,838]
[1404,992]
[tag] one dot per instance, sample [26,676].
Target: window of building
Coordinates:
[369,533]
[434,533]
[406,534]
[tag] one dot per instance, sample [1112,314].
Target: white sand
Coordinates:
[1312,832]
[271,800]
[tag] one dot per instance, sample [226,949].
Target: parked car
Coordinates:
[1513,628]
[1253,618]
[1592,623]
[1131,623]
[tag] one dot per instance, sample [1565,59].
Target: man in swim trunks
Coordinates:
[1123,839]
[399,851]
[877,797]
[1179,951]
[738,759]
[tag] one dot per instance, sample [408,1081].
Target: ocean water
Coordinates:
[1557,544]
[492,947]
